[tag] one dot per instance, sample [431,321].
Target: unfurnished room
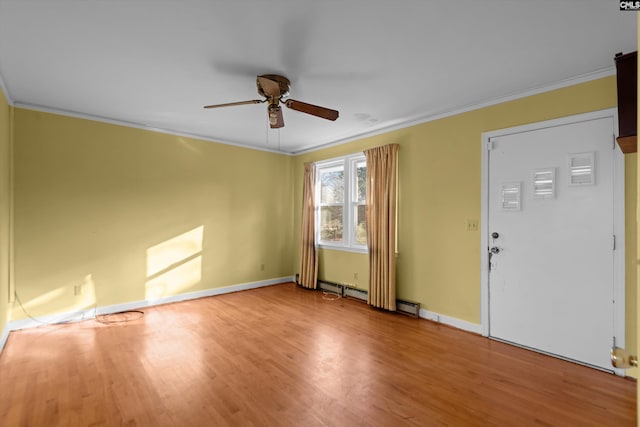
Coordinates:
[318,213]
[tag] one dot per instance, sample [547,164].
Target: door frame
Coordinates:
[618,218]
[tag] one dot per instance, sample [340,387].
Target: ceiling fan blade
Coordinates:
[270,87]
[275,117]
[314,110]
[232,104]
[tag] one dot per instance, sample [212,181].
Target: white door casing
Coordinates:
[535,296]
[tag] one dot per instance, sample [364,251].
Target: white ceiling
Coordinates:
[382,64]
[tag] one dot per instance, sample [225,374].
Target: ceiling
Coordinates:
[382,64]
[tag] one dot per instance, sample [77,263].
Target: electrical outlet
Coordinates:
[77,290]
[472,225]
[261,267]
[355,276]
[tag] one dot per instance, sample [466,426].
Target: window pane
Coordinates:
[331,223]
[341,185]
[361,174]
[361,225]
[332,185]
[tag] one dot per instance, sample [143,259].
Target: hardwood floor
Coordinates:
[284,356]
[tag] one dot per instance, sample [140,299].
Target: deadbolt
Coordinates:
[495,235]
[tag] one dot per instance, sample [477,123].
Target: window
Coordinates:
[340,202]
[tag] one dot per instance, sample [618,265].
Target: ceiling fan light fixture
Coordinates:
[273,114]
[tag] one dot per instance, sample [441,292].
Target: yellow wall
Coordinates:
[126,214]
[348,268]
[5,203]
[637,260]
[631,296]
[439,189]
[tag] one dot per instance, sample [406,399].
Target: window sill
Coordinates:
[344,248]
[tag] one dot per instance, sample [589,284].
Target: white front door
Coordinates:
[551,239]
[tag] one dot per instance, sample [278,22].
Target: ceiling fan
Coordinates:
[275,89]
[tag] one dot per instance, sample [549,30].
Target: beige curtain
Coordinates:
[381,224]
[309,257]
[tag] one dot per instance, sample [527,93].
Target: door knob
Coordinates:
[495,250]
[620,358]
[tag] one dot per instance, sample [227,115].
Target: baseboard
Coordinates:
[192,295]
[90,313]
[4,337]
[69,317]
[451,321]
[77,316]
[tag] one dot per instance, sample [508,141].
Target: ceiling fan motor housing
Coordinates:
[282,81]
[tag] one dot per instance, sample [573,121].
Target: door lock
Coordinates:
[622,359]
[495,235]
[492,251]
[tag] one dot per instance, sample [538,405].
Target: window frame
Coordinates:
[349,205]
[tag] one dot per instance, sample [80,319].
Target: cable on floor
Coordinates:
[119,317]
[42,322]
[330,296]
[107,319]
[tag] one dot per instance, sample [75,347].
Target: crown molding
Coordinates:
[401,124]
[124,123]
[5,91]
[416,120]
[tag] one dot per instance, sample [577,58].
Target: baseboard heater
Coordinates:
[356,293]
[334,288]
[410,308]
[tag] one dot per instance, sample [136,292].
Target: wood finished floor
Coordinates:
[284,356]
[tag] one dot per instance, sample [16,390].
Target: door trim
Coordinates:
[618,217]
